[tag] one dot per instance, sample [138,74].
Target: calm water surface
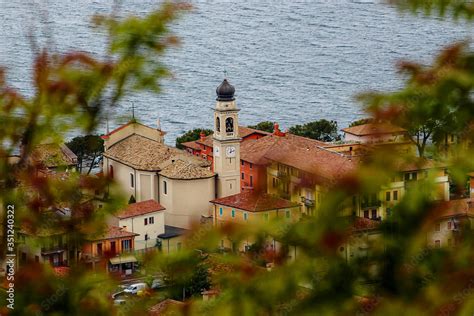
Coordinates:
[290,61]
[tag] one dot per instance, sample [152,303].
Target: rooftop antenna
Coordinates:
[133,110]
[225,74]
[107,123]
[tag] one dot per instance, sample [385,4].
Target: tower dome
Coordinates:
[225,91]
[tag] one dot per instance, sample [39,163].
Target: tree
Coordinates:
[191,135]
[322,130]
[265,126]
[87,149]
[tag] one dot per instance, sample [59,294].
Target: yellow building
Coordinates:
[249,208]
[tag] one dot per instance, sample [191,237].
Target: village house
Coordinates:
[453,218]
[111,251]
[252,208]
[145,218]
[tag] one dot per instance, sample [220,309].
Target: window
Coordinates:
[242,162]
[229,125]
[151,220]
[437,227]
[250,165]
[395,195]
[233,213]
[251,181]
[111,172]
[132,181]
[366,214]
[407,177]
[245,216]
[414,176]
[387,196]
[449,225]
[288,214]
[220,211]
[218,124]
[243,176]
[146,221]
[374,214]
[437,243]
[274,182]
[165,187]
[126,245]
[146,237]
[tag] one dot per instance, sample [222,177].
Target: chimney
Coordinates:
[276,130]
[158,124]
[202,136]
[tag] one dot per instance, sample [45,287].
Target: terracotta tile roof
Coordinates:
[310,156]
[112,232]
[53,155]
[185,170]
[166,307]
[254,202]
[461,207]
[374,129]
[140,208]
[192,144]
[142,153]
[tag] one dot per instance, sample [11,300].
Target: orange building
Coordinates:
[111,250]
[251,174]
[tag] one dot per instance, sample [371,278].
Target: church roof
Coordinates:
[142,153]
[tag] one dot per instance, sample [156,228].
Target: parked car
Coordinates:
[135,288]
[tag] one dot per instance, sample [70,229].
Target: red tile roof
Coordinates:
[61,271]
[461,207]
[140,208]
[374,129]
[254,202]
[113,232]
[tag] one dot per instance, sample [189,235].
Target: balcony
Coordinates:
[53,249]
[371,204]
[307,202]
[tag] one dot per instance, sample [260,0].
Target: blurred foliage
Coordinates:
[265,126]
[72,90]
[309,274]
[322,130]
[191,135]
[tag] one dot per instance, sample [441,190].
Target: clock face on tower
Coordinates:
[230,151]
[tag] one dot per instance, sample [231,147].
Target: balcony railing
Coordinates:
[371,204]
[50,249]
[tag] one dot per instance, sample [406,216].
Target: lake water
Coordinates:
[290,61]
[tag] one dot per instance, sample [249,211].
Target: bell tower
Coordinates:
[226,141]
